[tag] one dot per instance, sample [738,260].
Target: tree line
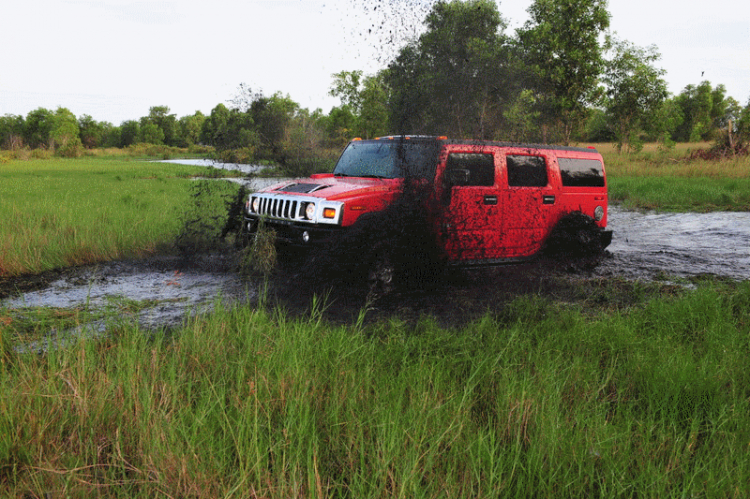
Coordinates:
[561,77]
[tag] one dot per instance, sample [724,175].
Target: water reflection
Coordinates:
[209,163]
[252,182]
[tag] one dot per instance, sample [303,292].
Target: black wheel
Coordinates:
[381,276]
[575,235]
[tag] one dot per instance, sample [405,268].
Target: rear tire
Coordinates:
[575,235]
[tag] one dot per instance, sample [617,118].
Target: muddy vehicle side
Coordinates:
[485,202]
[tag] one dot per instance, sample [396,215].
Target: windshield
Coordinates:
[388,159]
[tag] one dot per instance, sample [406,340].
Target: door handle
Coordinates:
[491,200]
[548,199]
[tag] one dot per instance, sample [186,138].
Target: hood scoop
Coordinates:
[302,188]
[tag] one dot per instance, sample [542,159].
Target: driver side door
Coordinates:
[471,210]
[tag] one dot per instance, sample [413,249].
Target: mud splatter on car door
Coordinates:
[529,187]
[471,213]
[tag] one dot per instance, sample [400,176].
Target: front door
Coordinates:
[471,210]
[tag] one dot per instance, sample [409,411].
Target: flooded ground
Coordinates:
[646,246]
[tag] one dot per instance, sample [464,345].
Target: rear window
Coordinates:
[581,172]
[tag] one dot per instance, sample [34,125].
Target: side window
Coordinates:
[470,169]
[526,171]
[581,172]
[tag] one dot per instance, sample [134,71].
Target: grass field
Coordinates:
[65,212]
[666,180]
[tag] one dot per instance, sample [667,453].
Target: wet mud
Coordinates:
[646,248]
[164,289]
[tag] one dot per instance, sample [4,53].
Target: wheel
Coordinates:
[381,277]
[575,235]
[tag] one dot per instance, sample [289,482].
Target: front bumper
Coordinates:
[294,233]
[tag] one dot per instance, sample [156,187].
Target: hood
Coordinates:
[330,187]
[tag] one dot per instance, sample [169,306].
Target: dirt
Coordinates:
[663,251]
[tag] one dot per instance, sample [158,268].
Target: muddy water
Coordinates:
[169,288]
[645,246]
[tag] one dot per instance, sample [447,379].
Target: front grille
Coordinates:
[277,207]
[290,208]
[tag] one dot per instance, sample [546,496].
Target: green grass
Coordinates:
[60,212]
[680,194]
[541,401]
[667,180]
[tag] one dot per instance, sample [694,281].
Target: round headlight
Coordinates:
[310,211]
[255,205]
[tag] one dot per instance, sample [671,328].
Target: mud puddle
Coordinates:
[162,290]
[650,245]
[645,247]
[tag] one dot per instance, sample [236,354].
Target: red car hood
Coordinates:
[333,188]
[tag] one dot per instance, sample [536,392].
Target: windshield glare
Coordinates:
[392,159]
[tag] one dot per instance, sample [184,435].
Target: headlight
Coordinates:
[255,205]
[310,211]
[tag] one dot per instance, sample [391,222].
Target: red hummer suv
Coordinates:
[484,202]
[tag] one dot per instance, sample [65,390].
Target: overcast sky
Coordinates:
[113,60]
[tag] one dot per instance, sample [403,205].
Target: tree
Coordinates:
[11,131]
[664,122]
[190,129]
[228,129]
[130,131]
[562,50]
[456,78]
[91,132]
[363,104]
[340,125]
[38,126]
[635,90]
[346,86]
[166,122]
[272,115]
[215,128]
[705,110]
[150,133]
[64,134]
[743,124]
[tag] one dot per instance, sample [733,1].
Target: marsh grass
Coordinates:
[666,179]
[540,401]
[61,213]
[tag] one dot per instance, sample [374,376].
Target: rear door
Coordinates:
[470,206]
[530,194]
